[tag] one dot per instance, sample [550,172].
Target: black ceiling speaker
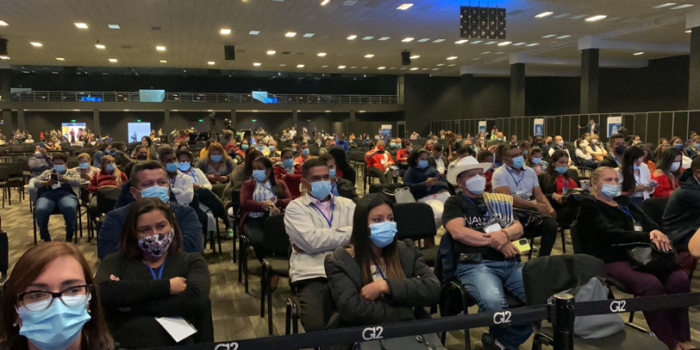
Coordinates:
[406,58]
[3,47]
[230,52]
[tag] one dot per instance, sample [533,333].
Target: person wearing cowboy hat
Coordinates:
[487,263]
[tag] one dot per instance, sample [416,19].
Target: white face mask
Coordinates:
[476,184]
[675,166]
[560,143]
[583,144]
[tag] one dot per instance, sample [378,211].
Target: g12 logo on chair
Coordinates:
[502,317]
[372,333]
[618,306]
[227,346]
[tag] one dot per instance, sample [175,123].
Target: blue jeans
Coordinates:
[67,204]
[486,282]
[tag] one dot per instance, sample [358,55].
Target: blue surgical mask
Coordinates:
[610,191]
[84,165]
[171,167]
[56,327]
[156,192]
[294,150]
[305,151]
[320,189]
[331,172]
[518,162]
[696,145]
[272,148]
[261,148]
[392,145]
[61,168]
[679,146]
[288,163]
[108,151]
[561,169]
[245,146]
[184,166]
[525,152]
[216,157]
[536,160]
[635,166]
[410,149]
[382,233]
[259,175]
[422,164]
[109,167]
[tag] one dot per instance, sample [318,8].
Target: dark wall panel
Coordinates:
[641,126]
[491,98]
[431,99]
[694,122]
[552,95]
[653,124]
[666,121]
[35,122]
[680,125]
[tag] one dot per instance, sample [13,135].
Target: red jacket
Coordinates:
[374,160]
[402,155]
[665,187]
[291,179]
[249,205]
[100,180]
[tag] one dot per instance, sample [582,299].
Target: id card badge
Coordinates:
[492,228]
[55,186]
[638,227]
[177,327]
[522,244]
[384,161]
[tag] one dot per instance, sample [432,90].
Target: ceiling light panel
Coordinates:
[271,52]
[423,40]
[352,37]
[368,38]
[36,44]
[544,14]
[321,54]
[664,5]
[437,41]
[254,32]
[415,57]
[290,34]
[81,25]
[160,48]
[404,7]
[460,42]
[384,38]
[3,24]
[113,60]
[369,55]
[211,63]
[407,40]
[225,31]
[60,59]
[309,35]
[549,36]
[684,6]
[451,58]
[596,18]
[114,26]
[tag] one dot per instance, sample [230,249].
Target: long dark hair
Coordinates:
[413,157]
[363,245]
[341,159]
[631,154]
[250,157]
[128,241]
[267,163]
[95,334]
[551,173]
[666,159]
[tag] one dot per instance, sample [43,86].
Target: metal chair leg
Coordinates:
[263,288]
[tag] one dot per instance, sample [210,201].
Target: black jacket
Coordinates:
[609,161]
[682,214]
[433,163]
[420,288]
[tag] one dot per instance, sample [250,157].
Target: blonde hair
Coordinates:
[216,145]
[595,177]
[117,174]
[84,155]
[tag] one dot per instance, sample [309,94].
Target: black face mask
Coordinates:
[620,150]
[141,157]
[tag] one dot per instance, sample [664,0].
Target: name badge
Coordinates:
[55,186]
[492,228]
[638,228]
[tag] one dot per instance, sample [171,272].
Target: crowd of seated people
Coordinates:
[169,197]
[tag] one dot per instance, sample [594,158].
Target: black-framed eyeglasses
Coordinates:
[38,300]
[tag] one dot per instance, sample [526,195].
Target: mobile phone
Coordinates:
[653,183]
[54,177]
[522,244]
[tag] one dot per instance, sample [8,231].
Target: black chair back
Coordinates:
[15,169]
[314,150]
[576,239]
[4,172]
[546,276]
[72,162]
[107,198]
[276,239]
[654,208]
[414,221]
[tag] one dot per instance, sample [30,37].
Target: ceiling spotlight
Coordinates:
[544,14]
[459,42]
[290,34]
[407,40]
[341,67]
[163,61]
[60,59]
[3,24]
[36,44]
[321,54]
[352,37]
[113,60]
[596,18]
[415,56]
[384,38]
[257,64]
[211,63]
[688,31]
[381,68]
[638,53]
[369,55]
[404,7]
[81,25]
[414,68]
[271,52]
[451,58]
[160,48]
[300,66]
[325,2]
[225,31]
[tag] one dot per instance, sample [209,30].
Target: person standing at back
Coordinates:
[317,224]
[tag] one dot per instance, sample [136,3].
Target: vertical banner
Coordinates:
[482,127]
[539,127]
[386,130]
[614,124]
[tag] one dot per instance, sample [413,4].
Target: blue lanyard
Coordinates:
[269,189]
[627,212]
[469,199]
[160,271]
[191,173]
[522,176]
[379,268]
[324,215]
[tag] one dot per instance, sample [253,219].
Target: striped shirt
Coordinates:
[263,192]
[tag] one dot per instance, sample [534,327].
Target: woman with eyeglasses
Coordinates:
[50,302]
[149,277]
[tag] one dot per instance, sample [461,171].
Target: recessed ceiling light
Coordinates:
[257,64]
[423,40]
[352,37]
[451,65]
[163,61]
[365,67]
[424,68]
[533,44]
[476,58]
[486,52]
[519,44]
[321,54]
[407,40]
[328,110]
[549,36]
[3,24]
[438,41]
[368,38]
[682,7]
[664,5]
[544,14]
[100,46]
[564,36]
[271,52]
[255,111]
[415,57]
[341,67]
[436,68]
[325,2]
[476,42]
[505,43]
[638,53]
[54,72]
[353,67]
[460,42]
[309,35]
[4,57]
[381,68]
[290,34]
[597,18]
[452,58]
[404,7]
[300,66]
[362,111]
[225,31]
[211,63]
[440,64]
[81,25]
[60,59]
[36,44]
[369,55]
[254,32]
[324,66]
[160,48]
[414,68]
[688,31]
[491,42]
[113,60]
[283,65]
[113,26]
[578,17]
[384,38]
